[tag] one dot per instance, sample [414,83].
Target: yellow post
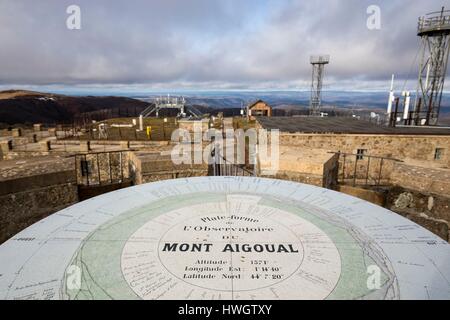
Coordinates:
[149,132]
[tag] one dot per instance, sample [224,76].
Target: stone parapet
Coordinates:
[422,179]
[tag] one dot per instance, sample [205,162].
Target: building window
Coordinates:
[360,154]
[438,153]
[86,167]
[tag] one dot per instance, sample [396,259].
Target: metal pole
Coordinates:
[86,166]
[98,171]
[343,169]
[110,171]
[367,173]
[214,162]
[430,108]
[76,169]
[121,167]
[354,172]
[381,168]
[419,105]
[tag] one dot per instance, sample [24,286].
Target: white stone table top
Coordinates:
[225,238]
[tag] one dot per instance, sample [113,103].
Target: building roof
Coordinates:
[342,125]
[256,102]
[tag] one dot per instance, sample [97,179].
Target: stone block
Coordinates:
[52,132]
[45,145]
[373,196]
[4,148]
[16,132]
[85,146]
[190,125]
[124,145]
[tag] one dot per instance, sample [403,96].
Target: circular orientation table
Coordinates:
[225,238]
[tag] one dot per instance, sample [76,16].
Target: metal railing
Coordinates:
[362,175]
[223,167]
[90,170]
[434,21]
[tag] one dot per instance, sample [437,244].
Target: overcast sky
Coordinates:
[208,44]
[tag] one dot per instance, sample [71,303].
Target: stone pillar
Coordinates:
[4,149]
[16,132]
[52,132]
[45,145]
[37,127]
[6,146]
[85,146]
[124,145]
[141,123]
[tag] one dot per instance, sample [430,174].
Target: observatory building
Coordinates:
[237,238]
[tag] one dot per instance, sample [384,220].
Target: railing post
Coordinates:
[381,168]
[87,169]
[98,171]
[110,171]
[343,169]
[121,167]
[354,171]
[367,173]
[214,161]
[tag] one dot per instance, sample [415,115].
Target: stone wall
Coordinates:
[371,171]
[104,168]
[150,167]
[422,195]
[189,125]
[310,166]
[433,205]
[312,179]
[402,147]
[377,197]
[26,200]
[417,187]
[422,179]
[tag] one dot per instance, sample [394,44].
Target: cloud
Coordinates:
[207,44]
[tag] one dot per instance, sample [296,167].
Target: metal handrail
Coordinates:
[98,152]
[435,20]
[360,157]
[234,167]
[365,156]
[95,156]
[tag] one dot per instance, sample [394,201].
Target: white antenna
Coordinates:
[391,96]
[407,96]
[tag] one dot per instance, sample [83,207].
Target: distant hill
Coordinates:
[12,94]
[27,107]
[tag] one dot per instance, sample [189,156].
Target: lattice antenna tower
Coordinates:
[434,33]
[318,65]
